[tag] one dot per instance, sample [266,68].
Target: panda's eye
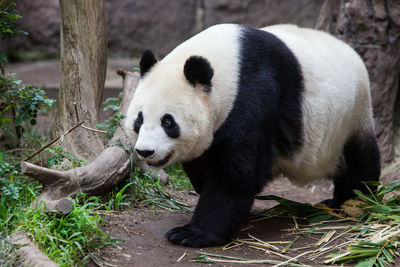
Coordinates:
[166,122]
[170,126]
[138,122]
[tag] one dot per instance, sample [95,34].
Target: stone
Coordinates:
[373,30]
[41,19]
[134,26]
[261,13]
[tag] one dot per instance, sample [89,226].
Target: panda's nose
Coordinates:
[145,153]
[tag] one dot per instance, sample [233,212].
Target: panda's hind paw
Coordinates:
[191,236]
[332,203]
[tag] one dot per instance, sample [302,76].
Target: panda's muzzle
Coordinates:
[161,162]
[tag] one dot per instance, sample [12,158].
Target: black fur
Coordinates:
[170,127]
[138,122]
[145,153]
[198,70]
[147,62]
[361,162]
[265,121]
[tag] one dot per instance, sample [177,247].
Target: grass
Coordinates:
[178,178]
[69,240]
[365,233]
[147,191]
[72,239]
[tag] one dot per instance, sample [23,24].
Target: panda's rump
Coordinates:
[336,103]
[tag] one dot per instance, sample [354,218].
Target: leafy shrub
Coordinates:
[111,124]
[58,155]
[8,16]
[24,99]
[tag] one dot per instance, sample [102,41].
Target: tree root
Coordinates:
[30,254]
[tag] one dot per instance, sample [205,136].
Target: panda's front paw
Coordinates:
[191,236]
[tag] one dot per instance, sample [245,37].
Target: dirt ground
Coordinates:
[142,231]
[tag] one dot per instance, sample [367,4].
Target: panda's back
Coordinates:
[336,101]
[329,90]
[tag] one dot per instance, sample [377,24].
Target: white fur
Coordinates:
[165,90]
[336,101]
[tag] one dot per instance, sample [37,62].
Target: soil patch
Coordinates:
[142,231]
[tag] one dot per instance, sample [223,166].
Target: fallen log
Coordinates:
[109,169]
[30,254]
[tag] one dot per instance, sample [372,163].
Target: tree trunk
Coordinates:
[83,65]
[372,27]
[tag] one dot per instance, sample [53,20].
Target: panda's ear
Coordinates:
[147,62]
[198,70]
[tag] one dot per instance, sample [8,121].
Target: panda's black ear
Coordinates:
[198,70]
[147,62]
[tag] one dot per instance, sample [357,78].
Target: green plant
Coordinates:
[58,155]
[18,102]
[8,28]
[113,103]
[8,16]
[72,239]
[16,191]
[372,241]
[117,199]
[25,99]
[111,124]
[69,240]
[178,178]
[32,139]
[7,256]
[375,245]
[146,190]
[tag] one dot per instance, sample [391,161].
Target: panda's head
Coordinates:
[170,116]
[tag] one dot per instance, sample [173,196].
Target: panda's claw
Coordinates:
[191,236]
[177,235]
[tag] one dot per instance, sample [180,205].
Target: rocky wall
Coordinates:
[160,25]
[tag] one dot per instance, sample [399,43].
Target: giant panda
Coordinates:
[238,106]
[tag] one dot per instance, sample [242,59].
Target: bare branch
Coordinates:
[54,140]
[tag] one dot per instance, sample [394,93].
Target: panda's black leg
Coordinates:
[361,163]
[217,215]
[226,193]
[198,172]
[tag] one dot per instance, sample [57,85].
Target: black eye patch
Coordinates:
[138,122]
[170,126]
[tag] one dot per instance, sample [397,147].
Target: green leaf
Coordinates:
[369,262]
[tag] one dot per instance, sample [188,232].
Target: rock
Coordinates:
[262,12]
[373,30]
[133,26]
[158,25]
[41,19]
